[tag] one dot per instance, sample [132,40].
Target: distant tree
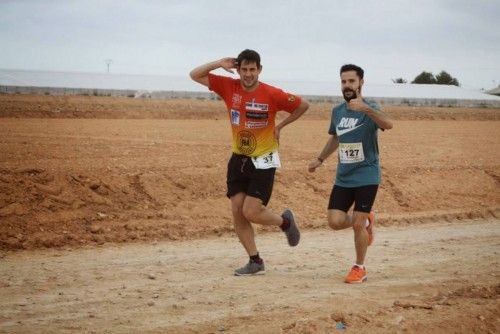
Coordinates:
[399,81]
[444,78]
[424,78]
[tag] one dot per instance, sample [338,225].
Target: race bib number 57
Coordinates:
[268,160]
[350,153]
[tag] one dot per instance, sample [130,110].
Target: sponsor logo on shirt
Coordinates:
[257,115]
[235,117]
[246,142]
[255,124]
[347,125]
[236,100]
[291,98]
[255,106]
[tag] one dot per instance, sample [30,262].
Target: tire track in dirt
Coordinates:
[137,185]
[396,193]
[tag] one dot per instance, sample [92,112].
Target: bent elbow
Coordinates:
[192,75]
[304,104]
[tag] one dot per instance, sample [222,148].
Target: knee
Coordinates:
[237,210]
[335,223]
[359,225]
[250,213]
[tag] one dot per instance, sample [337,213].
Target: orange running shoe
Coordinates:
[369,228]
[356,275]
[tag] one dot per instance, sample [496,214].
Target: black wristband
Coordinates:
[320,159]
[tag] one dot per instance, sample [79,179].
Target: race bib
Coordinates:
[350,153]
[268,160]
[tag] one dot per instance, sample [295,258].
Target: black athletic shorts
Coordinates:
[342,198]
[243,177]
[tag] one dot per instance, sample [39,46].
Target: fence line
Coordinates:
[393,101]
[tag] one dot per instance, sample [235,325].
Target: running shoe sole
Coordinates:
[293,232]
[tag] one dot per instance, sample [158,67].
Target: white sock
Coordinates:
[360,266]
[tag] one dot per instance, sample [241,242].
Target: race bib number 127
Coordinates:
[350,153]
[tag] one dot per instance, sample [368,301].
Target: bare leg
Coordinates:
[242,226]
[360,235]
[256,212]
[338,219]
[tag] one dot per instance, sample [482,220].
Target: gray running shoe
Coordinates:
[293,233]
[251,268]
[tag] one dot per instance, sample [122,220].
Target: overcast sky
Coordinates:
[298,40]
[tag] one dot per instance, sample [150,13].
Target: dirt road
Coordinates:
[433,278]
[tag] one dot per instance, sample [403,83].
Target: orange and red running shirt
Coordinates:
[252,114]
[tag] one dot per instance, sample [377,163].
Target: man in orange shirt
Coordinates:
[252,108]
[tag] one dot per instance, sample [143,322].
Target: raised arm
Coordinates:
[381,119]
[200,73]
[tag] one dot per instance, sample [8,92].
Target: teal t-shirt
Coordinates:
[358,161]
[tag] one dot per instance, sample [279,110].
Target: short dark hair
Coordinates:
[352,67]
[250,56]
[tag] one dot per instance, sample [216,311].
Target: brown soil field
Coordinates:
[122,187]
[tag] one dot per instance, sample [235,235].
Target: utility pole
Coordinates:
[108,62]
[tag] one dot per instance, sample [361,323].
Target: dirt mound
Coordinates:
[88,180]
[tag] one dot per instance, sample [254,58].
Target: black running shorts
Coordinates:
[243,177]
[342,198]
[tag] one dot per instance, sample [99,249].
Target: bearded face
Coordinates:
[350,85]
[349,94]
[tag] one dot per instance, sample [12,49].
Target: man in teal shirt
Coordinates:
[353,131]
